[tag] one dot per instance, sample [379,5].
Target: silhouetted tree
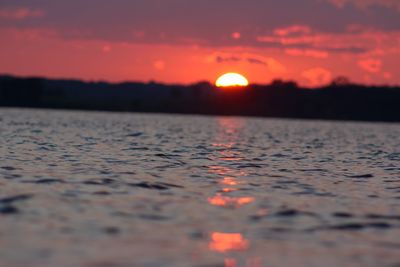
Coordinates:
[341,100]
[341,81]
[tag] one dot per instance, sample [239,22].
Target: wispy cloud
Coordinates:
[307,53]
[371,65]
[367,3]
[292,30]
[268,62]
[355,40]
[251,60]
[20,13]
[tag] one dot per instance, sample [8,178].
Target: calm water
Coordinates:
[113,190]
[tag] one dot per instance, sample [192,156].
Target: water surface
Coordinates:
[111,189]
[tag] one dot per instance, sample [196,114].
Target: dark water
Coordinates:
[108,189]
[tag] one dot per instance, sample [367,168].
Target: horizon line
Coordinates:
[153,81]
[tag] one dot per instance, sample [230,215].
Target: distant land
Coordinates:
[341,100]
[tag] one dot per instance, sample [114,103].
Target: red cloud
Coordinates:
[271,63]
[29,34]
[356,40]
[20,13]
[371,65]
[294,29]
[307,53]
[367,3]
[289,40]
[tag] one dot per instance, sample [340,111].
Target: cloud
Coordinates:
[271,63]
[291,40]
[223,59]
[367,3]
[317,76]
[307,53]
[371,65]
[248,58]
[355,40]
[292,30]
[257,61]
[20,13]
[29,34]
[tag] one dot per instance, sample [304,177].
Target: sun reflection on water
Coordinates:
[227,150]
[230,129]
[225,242]
[226,201]
[229,262]
[229,181]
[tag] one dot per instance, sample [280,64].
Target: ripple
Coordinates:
[169,190]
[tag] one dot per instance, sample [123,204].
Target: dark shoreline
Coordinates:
[338,101]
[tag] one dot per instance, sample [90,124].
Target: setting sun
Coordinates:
[231,79]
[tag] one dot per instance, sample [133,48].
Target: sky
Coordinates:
[187,41]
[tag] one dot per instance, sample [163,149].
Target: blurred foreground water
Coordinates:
[112,190]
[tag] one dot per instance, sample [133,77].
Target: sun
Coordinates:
[231,79]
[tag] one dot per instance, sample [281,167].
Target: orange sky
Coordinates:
[45,40]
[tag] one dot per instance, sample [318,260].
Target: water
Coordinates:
[112,190]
